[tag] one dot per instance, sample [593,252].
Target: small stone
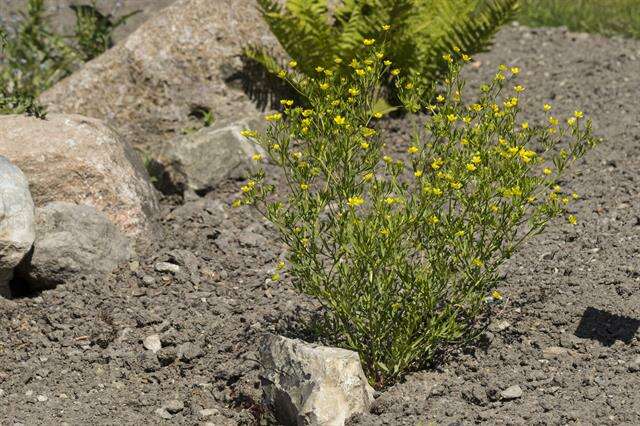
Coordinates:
[209,412]
[634,366]
[189,351]
[138,292]
[166,356]
[167,267]
[134,266]
[499,326]
[555,352]
[152,343]
[512,392]
[42,398]
[148,280]
[163,413]
[174,406]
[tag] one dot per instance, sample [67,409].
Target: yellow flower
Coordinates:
[339,120]
[304,186]
[578,114]
[368,177]
[275,147]
[500,76]
[413,150]
[464,141]
[368,41]
[391,200]
[379,55]
[293,64]
[571,121]
[515,70]
[553,121]
[335,103]
[286,102]
[236,203]
[387,63]
[377,115]
[456,49]
[452,118]
[248,187]
[355,201]
[274,117]
[546,107]
[456,185]
[496,295]
[408,86]
[353,91]
[386,27]
[337,61]
[459,234]
[437,163]
[249,133]
[328,73]
[477,262]
[447,57]
[575,196]
[387,159]
[395,71]
[418,173]
[364,145]
[319,69]
[360,72]
[525,125]
[476,159]
[518,89]
[466,58]
[434,219]
[437,191]
[385,232]
[502,67]
[471,167]
[275,277]
[282,74]
[256,157]
[494,208]
[572,219]
[367,132]
[324,86]
[440,98]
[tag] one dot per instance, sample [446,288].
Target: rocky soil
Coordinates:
[172,336]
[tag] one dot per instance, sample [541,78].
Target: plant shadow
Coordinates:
[606,327]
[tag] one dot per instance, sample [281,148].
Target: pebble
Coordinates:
[209,412]
[189,351]
[167,267]
[152,343]
[163,413]
[634,366]
[148,280]
[42,398]
[555,352]
[512,392]
[499,326]
[174,406]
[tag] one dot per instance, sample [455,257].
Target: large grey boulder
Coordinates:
[308,384]
[81,160]
[202,160]
[188,57]
[71,241]
[17,229]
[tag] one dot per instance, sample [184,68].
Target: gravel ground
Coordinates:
[564,348]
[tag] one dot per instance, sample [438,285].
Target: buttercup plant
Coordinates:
[403,253]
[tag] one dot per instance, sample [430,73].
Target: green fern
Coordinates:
[422,30]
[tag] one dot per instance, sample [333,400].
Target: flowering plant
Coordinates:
[403,253]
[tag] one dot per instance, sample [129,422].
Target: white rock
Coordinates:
[167,267]
[313,385]
[17,223]
[152,343]
[512,392]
